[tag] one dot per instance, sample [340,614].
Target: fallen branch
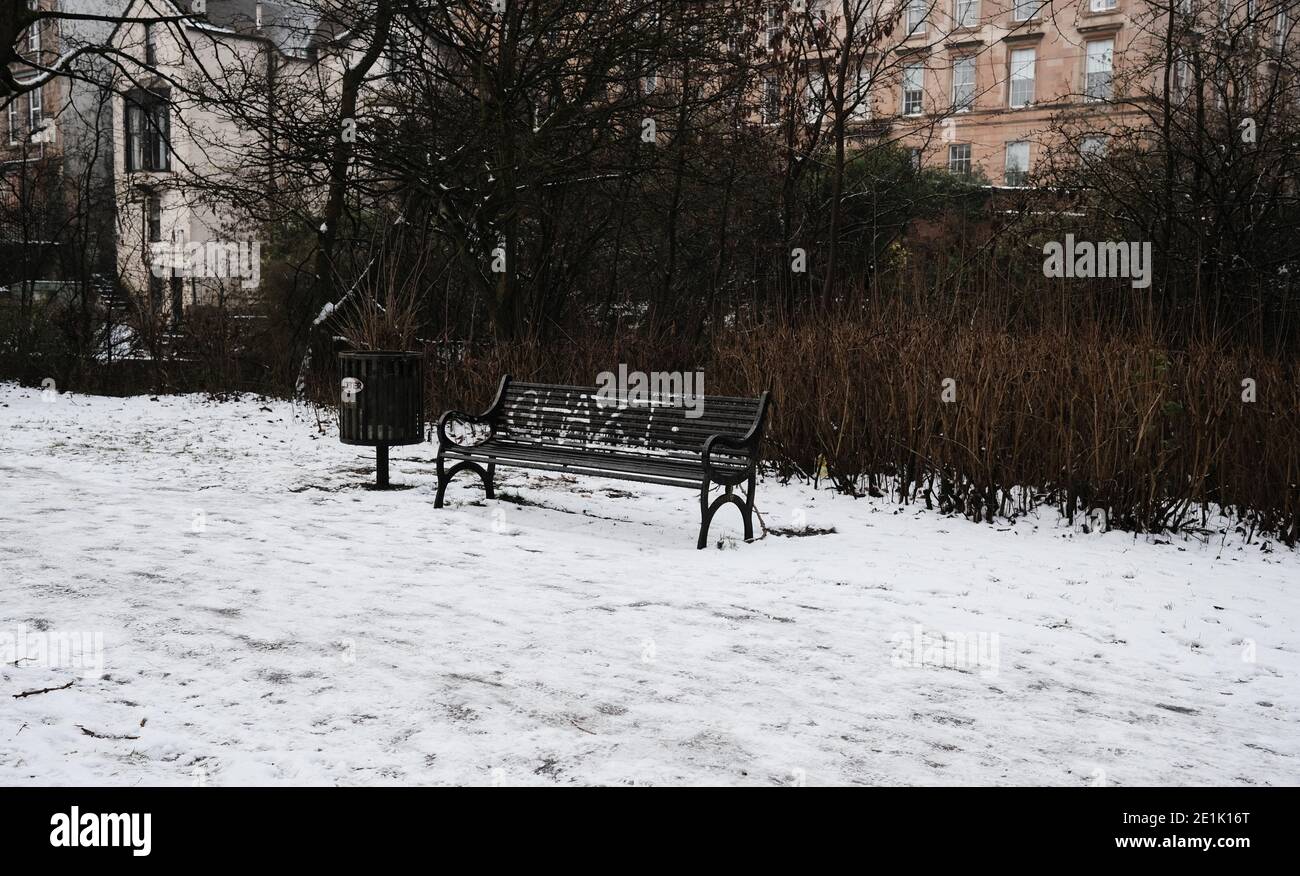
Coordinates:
[582,728]
[104,735]
[32,693]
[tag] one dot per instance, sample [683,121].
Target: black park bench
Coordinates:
[572,429]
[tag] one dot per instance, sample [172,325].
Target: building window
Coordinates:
[736,37]
[1024,10]
[14,125]
[913,79]
[815,95]
[153,216]
[1101,55]
[1280,26]
[1017,170]
[914,154]
[771,100]
[1022,77]
[33,33]
[1181,79]
[861,97]
[966,13]
[35,109]
[773,26]
[148,132]
[959,158]
[1092,146]
[916,12]
[150,45]
[963,84]
[1102,5]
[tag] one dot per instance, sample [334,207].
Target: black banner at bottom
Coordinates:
[337,825]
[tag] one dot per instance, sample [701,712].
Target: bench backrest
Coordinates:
[550,414]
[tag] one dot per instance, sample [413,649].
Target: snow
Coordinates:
[325,312]
[266,619]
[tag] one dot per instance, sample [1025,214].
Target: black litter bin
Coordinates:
[381,403]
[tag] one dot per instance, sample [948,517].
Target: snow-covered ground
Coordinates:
[265,618]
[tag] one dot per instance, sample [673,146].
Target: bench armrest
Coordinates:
[488,417]
[482,419]
[747,446]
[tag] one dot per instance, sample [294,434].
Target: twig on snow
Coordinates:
[104,735]
[32,693]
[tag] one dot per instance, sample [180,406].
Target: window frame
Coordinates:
[919,70]
[814,98]
[143,132]
[1006,165]
[34,33]
[1030,8]
[13,124]
[972,7]
[953,159]
[969,103]
[773,24]
[153,216]
[1087,152]
[921,26]
[35,108]
[1089,92]
[861,109]
[770,106]
[1032,78]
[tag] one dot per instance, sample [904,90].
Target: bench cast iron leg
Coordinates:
[445,478]
[705,515]
[728,498]
[748,508]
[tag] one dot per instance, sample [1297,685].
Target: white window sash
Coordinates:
[35,108]
[862,97]
[1017,160]
[966,13]
[813,93]
[1023,73]
[913,90]
[963,84]
[959,158]
[1099,69]
[916,16]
